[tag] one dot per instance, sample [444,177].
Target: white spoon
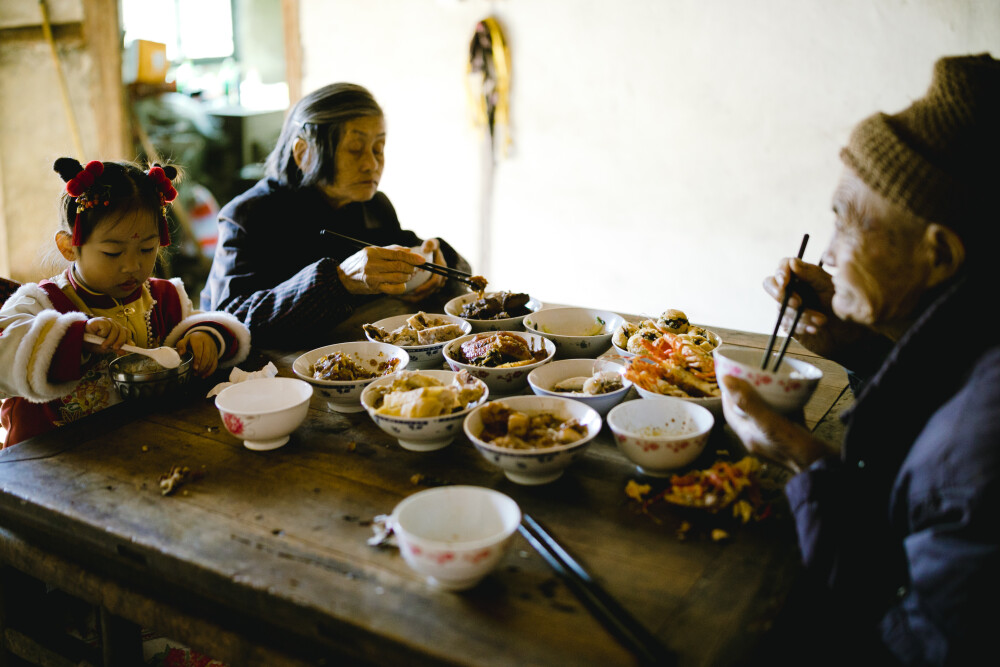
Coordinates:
[164,356]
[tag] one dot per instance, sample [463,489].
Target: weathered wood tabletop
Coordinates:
[271,547]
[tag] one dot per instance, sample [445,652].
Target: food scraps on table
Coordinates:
[497,306]
[740,490]
[173,479]
[514,429]
[501,349]
[414,394]
[419,329]
[339,366]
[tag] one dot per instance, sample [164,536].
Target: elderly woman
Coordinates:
[273,269]
[900,528]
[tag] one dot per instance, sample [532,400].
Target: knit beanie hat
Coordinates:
[940,157]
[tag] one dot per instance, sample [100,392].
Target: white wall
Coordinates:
[666,152]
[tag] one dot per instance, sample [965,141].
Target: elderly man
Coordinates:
[901,528]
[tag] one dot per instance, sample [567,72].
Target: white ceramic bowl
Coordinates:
[420,434]
[536,466]
[660,434]
[419,277]
[543,378]
[566,326]
[713,404]
[455,535]
[501,381]
[345,395]
[263,412]
[421,356]
[454,307]
[786,390]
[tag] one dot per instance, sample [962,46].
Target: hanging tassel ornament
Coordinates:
[488,79]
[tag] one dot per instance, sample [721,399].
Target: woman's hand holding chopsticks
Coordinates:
[379,270]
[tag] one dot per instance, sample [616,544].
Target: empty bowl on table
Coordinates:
[501,381]
[454,307]
[345,395]
[544,378]
[455,535]
[786,390]
[660,435]
[420,434]
[422,356]
[577,332]
[263,412]
[541,465]
[137,376]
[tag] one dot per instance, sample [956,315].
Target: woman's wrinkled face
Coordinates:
[877,255]
[359,161]
[120,253]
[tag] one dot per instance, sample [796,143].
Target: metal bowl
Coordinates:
[138,376]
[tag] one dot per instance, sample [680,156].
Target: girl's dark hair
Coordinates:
[125,186]
[318,119]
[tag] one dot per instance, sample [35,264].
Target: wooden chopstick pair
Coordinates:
[789,289]
[612,615]
[430,267]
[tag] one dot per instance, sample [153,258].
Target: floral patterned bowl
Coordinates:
[660,434]
[786,390]
[455,535]
[345,395]
[501,381]
[422,356]
[535,466]
[263,412]
[544,378]
[455,306]
[420,434]
[577,332]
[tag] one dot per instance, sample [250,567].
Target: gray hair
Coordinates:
[318,119]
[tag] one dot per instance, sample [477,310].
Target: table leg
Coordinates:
[121,641]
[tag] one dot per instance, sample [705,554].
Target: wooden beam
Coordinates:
[102,36]
[293,49]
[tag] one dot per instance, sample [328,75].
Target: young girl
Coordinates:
[113,224]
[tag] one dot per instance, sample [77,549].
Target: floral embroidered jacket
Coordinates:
[49,378]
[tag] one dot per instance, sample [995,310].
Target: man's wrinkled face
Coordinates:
[877,255]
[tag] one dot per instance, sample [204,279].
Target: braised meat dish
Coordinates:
[497,306]
[499,350]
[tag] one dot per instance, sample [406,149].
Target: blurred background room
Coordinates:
[637,155]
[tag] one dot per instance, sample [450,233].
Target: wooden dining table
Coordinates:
[263,558]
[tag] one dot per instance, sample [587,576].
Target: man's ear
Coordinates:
[64,241]
[300,152]
[946,253]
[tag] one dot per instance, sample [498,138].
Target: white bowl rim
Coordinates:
[454,319]
[396,418]
[697,409]
[241,386]
[403,357]
[613,316]
[550,347]
[590,415]
[496,538]
[810,371]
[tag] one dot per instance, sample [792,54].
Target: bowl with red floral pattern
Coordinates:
[660,434]
[786,390]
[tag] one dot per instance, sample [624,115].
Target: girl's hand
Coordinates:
[766,433]
[375,270]
[435,282]
[114,335]
[204,350]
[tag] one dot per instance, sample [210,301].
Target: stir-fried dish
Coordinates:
[339,367]
[513,429]
[419,329]
[413,394]
[498,350]
[497,306]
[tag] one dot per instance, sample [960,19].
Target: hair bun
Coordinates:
[169,171]
[67,168]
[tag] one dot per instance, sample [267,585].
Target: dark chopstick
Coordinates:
[430,267]
[784,305]
[611,614]
[795,323]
